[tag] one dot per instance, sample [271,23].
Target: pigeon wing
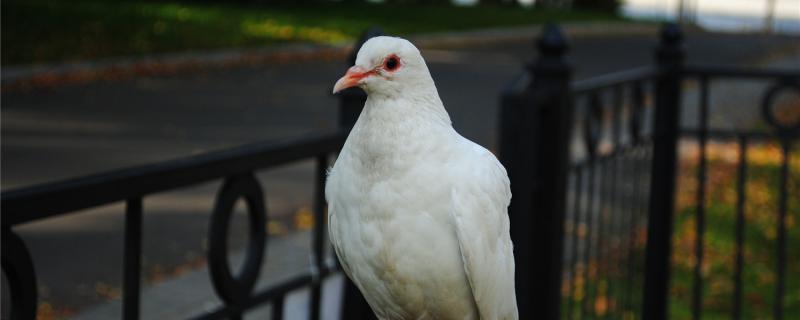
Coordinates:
[479,208]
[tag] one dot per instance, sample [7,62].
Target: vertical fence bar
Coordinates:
[319,234]
[588,209]
[625,223]
[781,261]
[616,218]
[634,130]
[577,229]
[538,167]
[351,102]
[741,195]
[599,310]
[669,56]
[602,237]
[644,213]
[277,308]
[592,131]
[700,208]
[20,273]
[629,226]
[633,221]
[132,258]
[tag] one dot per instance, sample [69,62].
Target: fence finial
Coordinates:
[670,50]
[552,45]
[551,62]
[552,41]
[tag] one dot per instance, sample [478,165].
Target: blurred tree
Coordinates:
[420,1]
[597,5]
[253,2]
[501,2]
[553,3]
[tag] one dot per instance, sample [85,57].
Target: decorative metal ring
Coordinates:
[592,125]
[236,289]
[637,113]
[768,105]
[18,267]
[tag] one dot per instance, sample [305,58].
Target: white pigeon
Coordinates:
[417,213]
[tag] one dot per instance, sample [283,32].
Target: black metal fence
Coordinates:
[593,170]
[593,165]
[237,168]
[785,132]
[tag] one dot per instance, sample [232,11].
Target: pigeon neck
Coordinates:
[421,109]
[391,129]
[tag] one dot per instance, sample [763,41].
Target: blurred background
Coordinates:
[95,85]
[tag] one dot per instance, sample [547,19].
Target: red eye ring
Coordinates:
[391,63]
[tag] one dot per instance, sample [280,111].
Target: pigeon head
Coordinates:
[386,66]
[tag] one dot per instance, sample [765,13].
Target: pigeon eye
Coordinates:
[392,63]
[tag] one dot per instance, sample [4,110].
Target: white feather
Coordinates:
[417,213]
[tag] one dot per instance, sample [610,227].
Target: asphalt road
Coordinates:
[76,130]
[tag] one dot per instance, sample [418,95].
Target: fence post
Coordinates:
[351,101]
[535,139]
[669,57]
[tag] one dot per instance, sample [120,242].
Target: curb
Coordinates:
[15,78]
[114,69]
[530,33]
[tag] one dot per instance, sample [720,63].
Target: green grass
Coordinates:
[35,31]
[759,276]
[759,273]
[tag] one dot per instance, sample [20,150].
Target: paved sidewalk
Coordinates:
[192,294]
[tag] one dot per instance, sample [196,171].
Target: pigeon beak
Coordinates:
[351,79]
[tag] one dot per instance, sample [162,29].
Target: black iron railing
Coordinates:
[132,186]
[784,133]
[607,206]
[587,204]
[593,166]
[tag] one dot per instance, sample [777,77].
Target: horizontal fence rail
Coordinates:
[694,71]
[614,79]
[29,204]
